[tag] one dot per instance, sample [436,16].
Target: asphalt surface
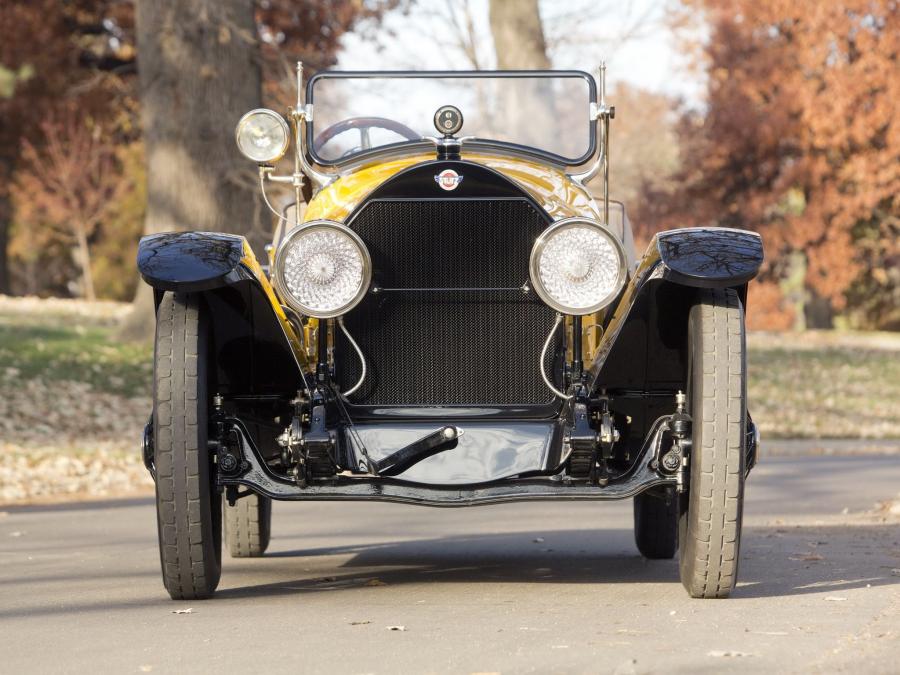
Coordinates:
[535,587]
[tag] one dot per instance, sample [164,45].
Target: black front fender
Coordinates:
[257,349]
[652,311]
[191,262]
[709,257]
[641,357]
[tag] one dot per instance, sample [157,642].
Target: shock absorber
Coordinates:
[675,460]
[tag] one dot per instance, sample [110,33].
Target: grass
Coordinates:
[825,384]
[810,385]
[74,398]
[61,344]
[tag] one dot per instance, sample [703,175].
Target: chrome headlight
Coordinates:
[577,266]
[262,135]
[323,269]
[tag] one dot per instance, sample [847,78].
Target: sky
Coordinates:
[631,35]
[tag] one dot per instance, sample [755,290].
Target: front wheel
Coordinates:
[188,506]
[712,511]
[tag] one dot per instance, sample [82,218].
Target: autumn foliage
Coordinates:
[798,138]
[800,141]
[69,186]
[70,130]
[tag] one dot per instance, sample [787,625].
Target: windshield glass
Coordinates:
[547,111]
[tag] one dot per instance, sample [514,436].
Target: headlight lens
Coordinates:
[577,266]
[323,269]
[262,135]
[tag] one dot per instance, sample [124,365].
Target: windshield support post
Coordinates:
[299,115]
[600,113]
[605,140]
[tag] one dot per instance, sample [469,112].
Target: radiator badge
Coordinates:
[448,179]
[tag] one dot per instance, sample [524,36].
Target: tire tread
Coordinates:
[709,563]
[247,526]
[188,565]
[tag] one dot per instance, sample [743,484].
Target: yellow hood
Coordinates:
[560,196]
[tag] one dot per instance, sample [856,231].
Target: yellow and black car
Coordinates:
[448,317]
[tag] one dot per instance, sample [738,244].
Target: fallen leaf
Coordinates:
[626,668]
[359,623]
[398,628]
[835,598]
[375,582]
[189,610]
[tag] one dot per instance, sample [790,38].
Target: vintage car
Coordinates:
[448,318]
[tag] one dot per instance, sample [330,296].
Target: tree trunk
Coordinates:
[84,261]
[198,72]
[518,35]
[6,211]
[519,45]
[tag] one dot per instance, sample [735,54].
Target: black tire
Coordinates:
[188,506]
[712,510]
[248,525]
[656,525]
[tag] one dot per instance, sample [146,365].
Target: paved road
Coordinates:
[535,587]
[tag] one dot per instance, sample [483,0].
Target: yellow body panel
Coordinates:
[558,194]
[250,262]
[551,188]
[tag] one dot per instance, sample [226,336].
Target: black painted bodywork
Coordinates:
[711,257]
[417,182]
[255,369]
[640,364]
[190,262]
[476,237]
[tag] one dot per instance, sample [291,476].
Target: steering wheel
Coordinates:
[363,124]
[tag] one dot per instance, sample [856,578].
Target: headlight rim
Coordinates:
[281,284]
[282,123]
[541,242]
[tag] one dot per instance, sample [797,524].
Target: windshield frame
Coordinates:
[480,144]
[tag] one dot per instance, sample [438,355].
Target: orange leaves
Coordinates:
[803,99]
[768,309]
[66,187]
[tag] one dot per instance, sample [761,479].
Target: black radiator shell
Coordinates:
[450,319]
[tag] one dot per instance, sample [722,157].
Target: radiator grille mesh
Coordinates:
[449,347]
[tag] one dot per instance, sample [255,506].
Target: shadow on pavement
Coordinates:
[775,561]
[88,505]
